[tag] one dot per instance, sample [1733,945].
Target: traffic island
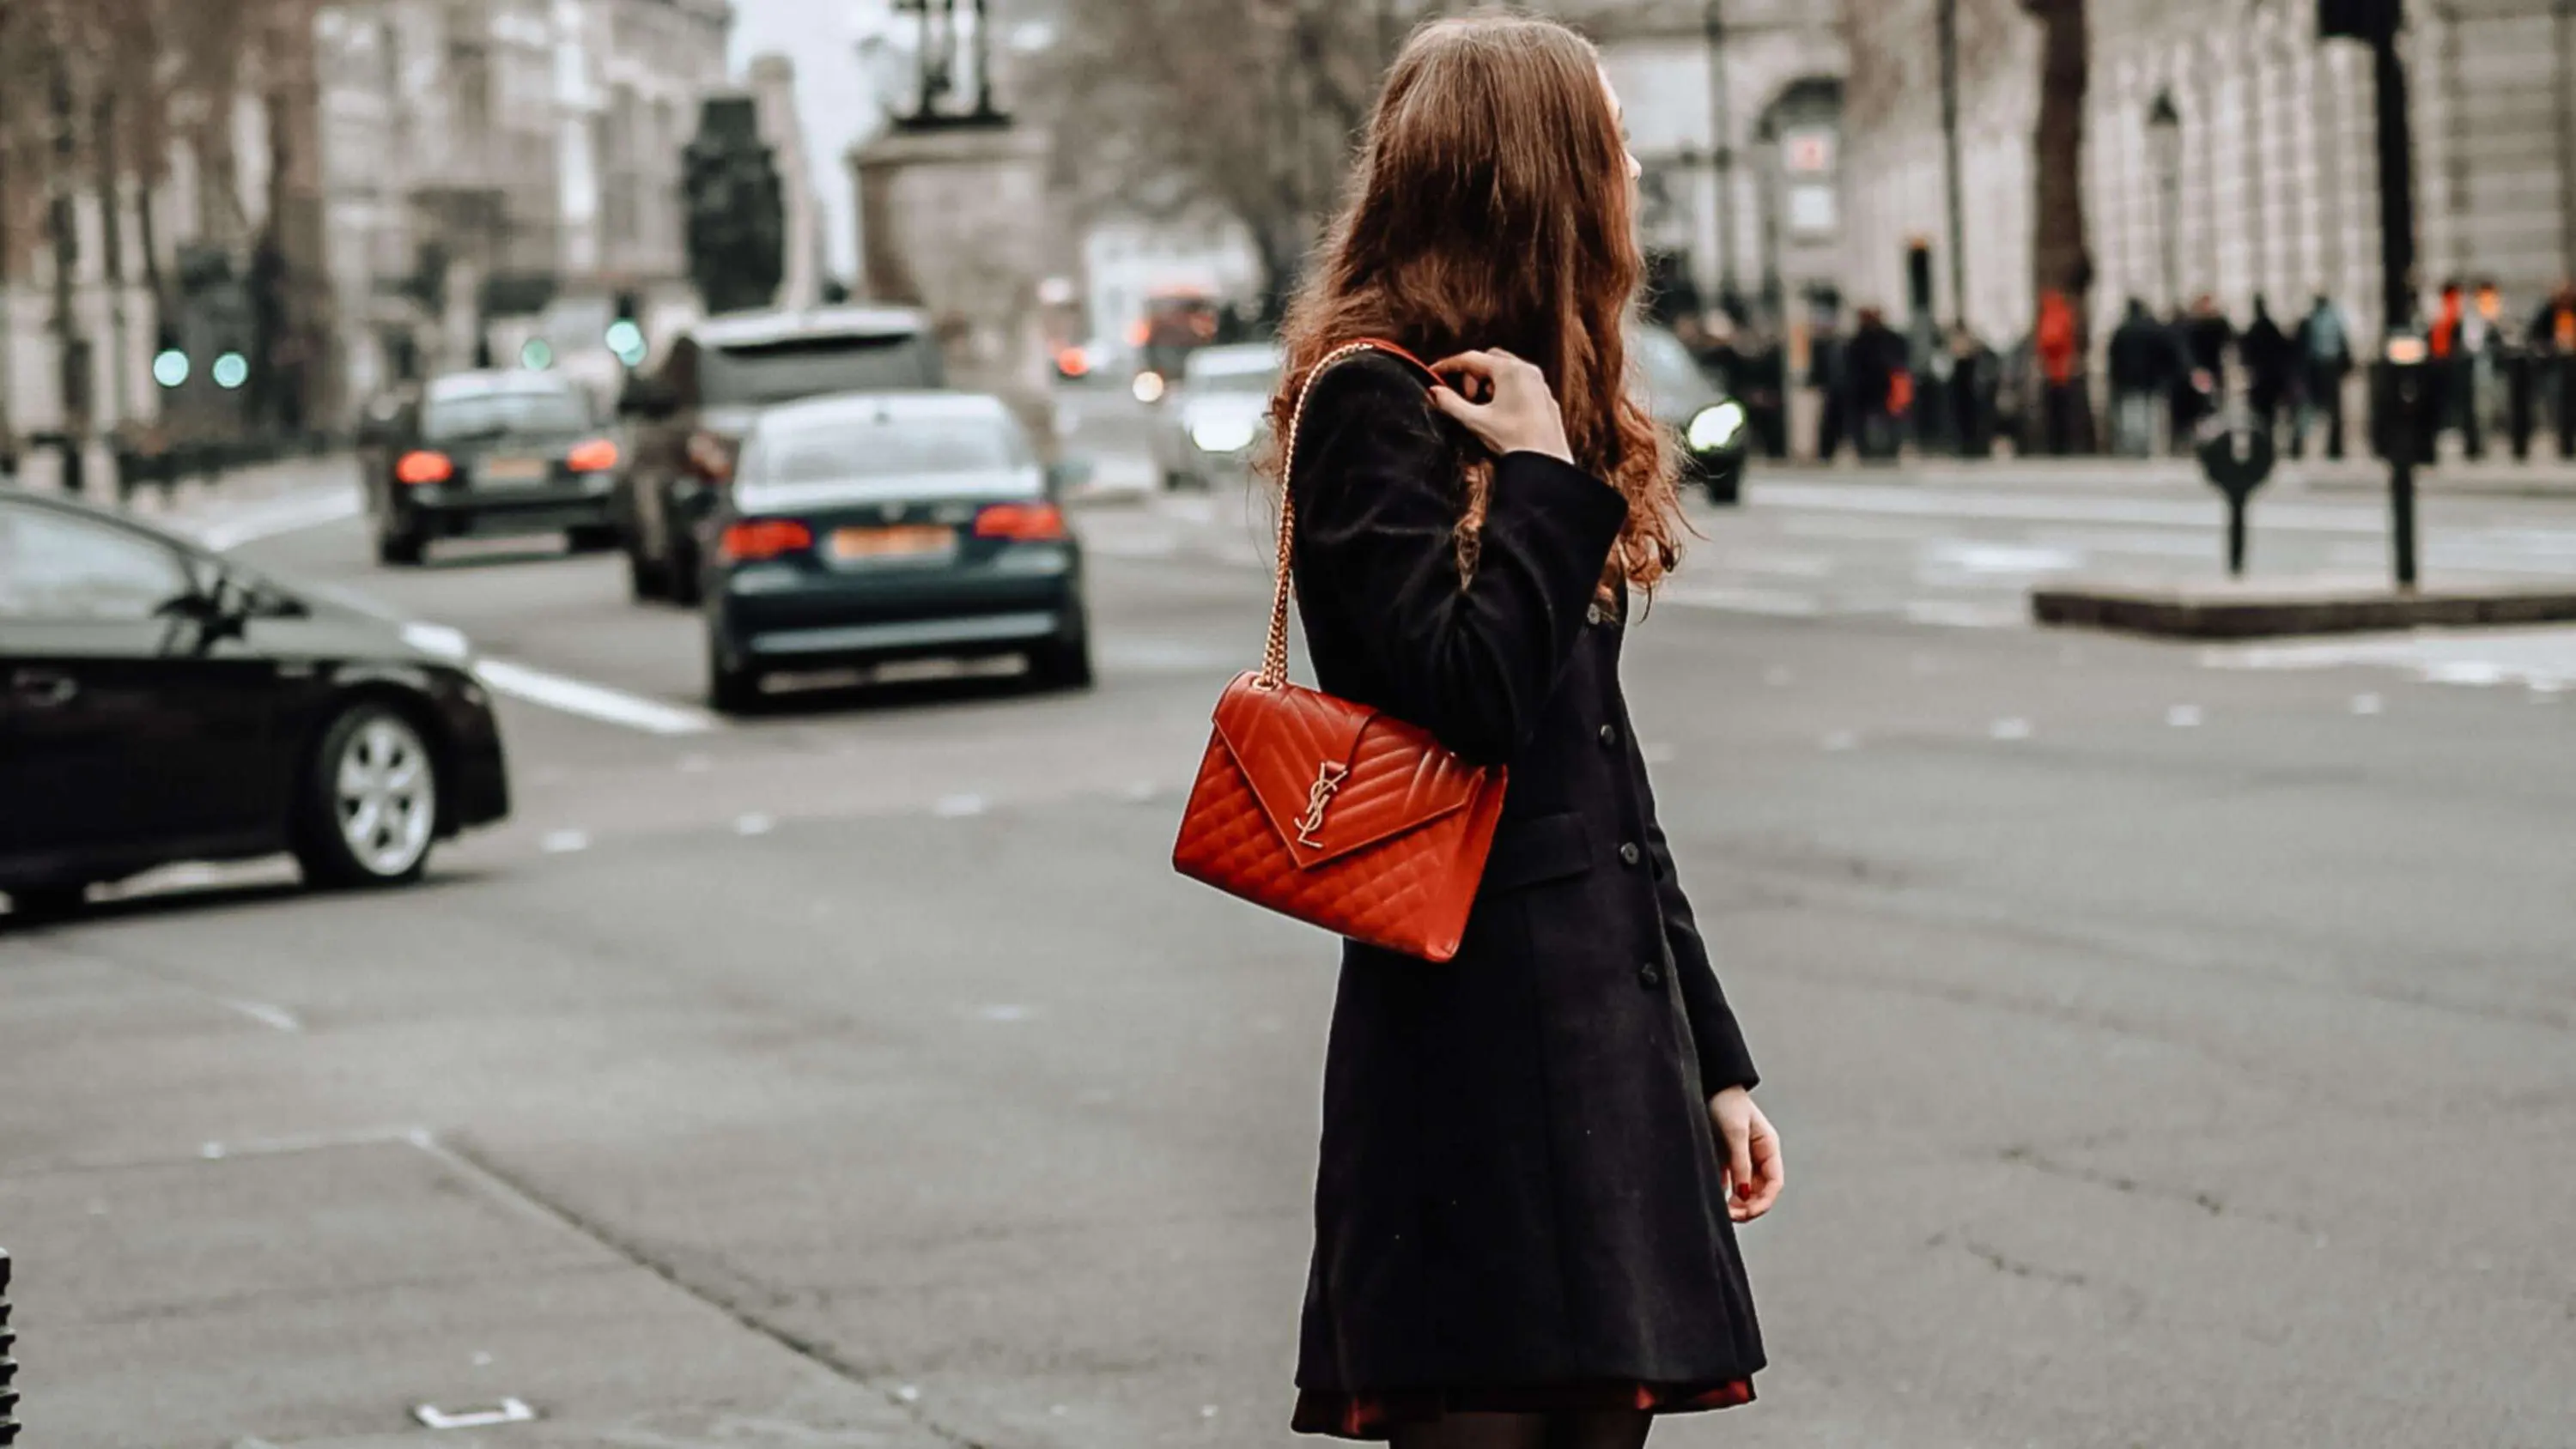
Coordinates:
[2250,609]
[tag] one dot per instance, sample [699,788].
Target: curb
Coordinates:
[2205,612]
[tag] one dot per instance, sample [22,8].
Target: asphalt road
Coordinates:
[2172,1047]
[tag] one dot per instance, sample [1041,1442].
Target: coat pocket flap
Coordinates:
[1543,848]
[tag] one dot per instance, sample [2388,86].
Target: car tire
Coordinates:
[732,689]
[1174,480]
[644,579]
[686,589]
[400,550]
[36,905]
[368,813]
[591,538]
[1063,663]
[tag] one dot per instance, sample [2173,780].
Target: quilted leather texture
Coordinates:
[1402,838]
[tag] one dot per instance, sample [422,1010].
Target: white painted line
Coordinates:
[291,513]
[564,842]
[509,1411]
[754,825]
[1840,741]
[1008,1011]
[2366,704]
[2184,717]
[2009,729]
[592,701]
[2475,657]
[266,1015]
[958,807]
[1953,614]
[1970,504]
[1768,602]
[909,1393]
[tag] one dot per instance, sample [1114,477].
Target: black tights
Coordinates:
[1590,1429]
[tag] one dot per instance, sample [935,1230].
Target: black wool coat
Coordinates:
[1519,1183]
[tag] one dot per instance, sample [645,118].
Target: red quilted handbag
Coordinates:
[1330,811]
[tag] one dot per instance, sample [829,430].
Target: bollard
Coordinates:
[8,1365]
[2237,459]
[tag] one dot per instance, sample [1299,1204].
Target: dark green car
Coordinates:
[1707,425]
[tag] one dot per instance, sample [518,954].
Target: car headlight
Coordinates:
[1223,434]
[1149,387]
[1715,427]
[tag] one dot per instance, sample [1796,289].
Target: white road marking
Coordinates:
[1840,741]
[1006,1011]
[958,807]
[564,842]
[290,513]
[592,701]
[2009,729]
[266,1015]
[1886,500]
[1768,602]
[1953,614]
[754,825]
[2184,716]
[2484,658]
[2367,704]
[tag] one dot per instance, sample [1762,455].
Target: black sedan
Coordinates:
[487,453]
[1707,425]
[870,528]
[160,703]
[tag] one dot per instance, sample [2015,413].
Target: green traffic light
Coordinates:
[170,369]
[626,340]
[535,355]
[230,371]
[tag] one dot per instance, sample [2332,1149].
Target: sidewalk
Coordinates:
[2492,477]
[200,504]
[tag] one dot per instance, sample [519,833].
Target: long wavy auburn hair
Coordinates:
[1492,208]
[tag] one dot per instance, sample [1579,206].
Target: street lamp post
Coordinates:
[1949,28]
[2378,23]
[2164,142]
[1721,150]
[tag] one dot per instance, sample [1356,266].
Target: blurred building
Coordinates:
[2227,151]
[1735,113]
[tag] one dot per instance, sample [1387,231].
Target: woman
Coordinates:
[1533,1155]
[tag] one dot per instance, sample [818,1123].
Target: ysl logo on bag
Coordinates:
[1328,782]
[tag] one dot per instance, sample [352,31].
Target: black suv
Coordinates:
[689,415]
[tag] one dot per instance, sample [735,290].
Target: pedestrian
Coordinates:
[1829,373]
[1763,373]
[2057,343]
[1535,1156]
[2324,345]
[1880,389]
[2448,350]
[2141,364]
[2271,362]
[2553,343]
[1974,376]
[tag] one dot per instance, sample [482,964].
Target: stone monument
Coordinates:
[953,212]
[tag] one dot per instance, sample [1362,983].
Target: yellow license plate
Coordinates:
[909,541]
[514,470]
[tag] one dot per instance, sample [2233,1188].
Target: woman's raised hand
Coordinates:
[1505,402]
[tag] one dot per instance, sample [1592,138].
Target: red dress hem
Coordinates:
[1375,1415]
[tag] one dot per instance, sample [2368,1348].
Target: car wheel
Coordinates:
[36,905]
[399,550]
[644,578]
[731,688]
[1063,663]
[591,538]
[685,589]
[370,807]
[1174,480]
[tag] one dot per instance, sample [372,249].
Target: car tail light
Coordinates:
[755,539]
[596,456]
[423,466]
[1021,522]
[712,455]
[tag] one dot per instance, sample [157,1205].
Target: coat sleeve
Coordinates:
[1723,1059]
[1472,660]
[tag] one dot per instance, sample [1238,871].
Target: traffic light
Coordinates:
[625,339]
[737,217]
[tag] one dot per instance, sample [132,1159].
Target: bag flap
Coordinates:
[1334,777]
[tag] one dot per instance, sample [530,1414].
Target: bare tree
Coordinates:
[2061,256]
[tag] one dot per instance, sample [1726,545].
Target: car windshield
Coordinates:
[802,367]
[502,413]
[1256,374]
[911,448]
[1670,371]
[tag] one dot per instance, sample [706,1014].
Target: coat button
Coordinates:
[1650,975]
[1592,616]
[1609,736]
[1629,854]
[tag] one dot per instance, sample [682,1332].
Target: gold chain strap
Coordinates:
[1274,658]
